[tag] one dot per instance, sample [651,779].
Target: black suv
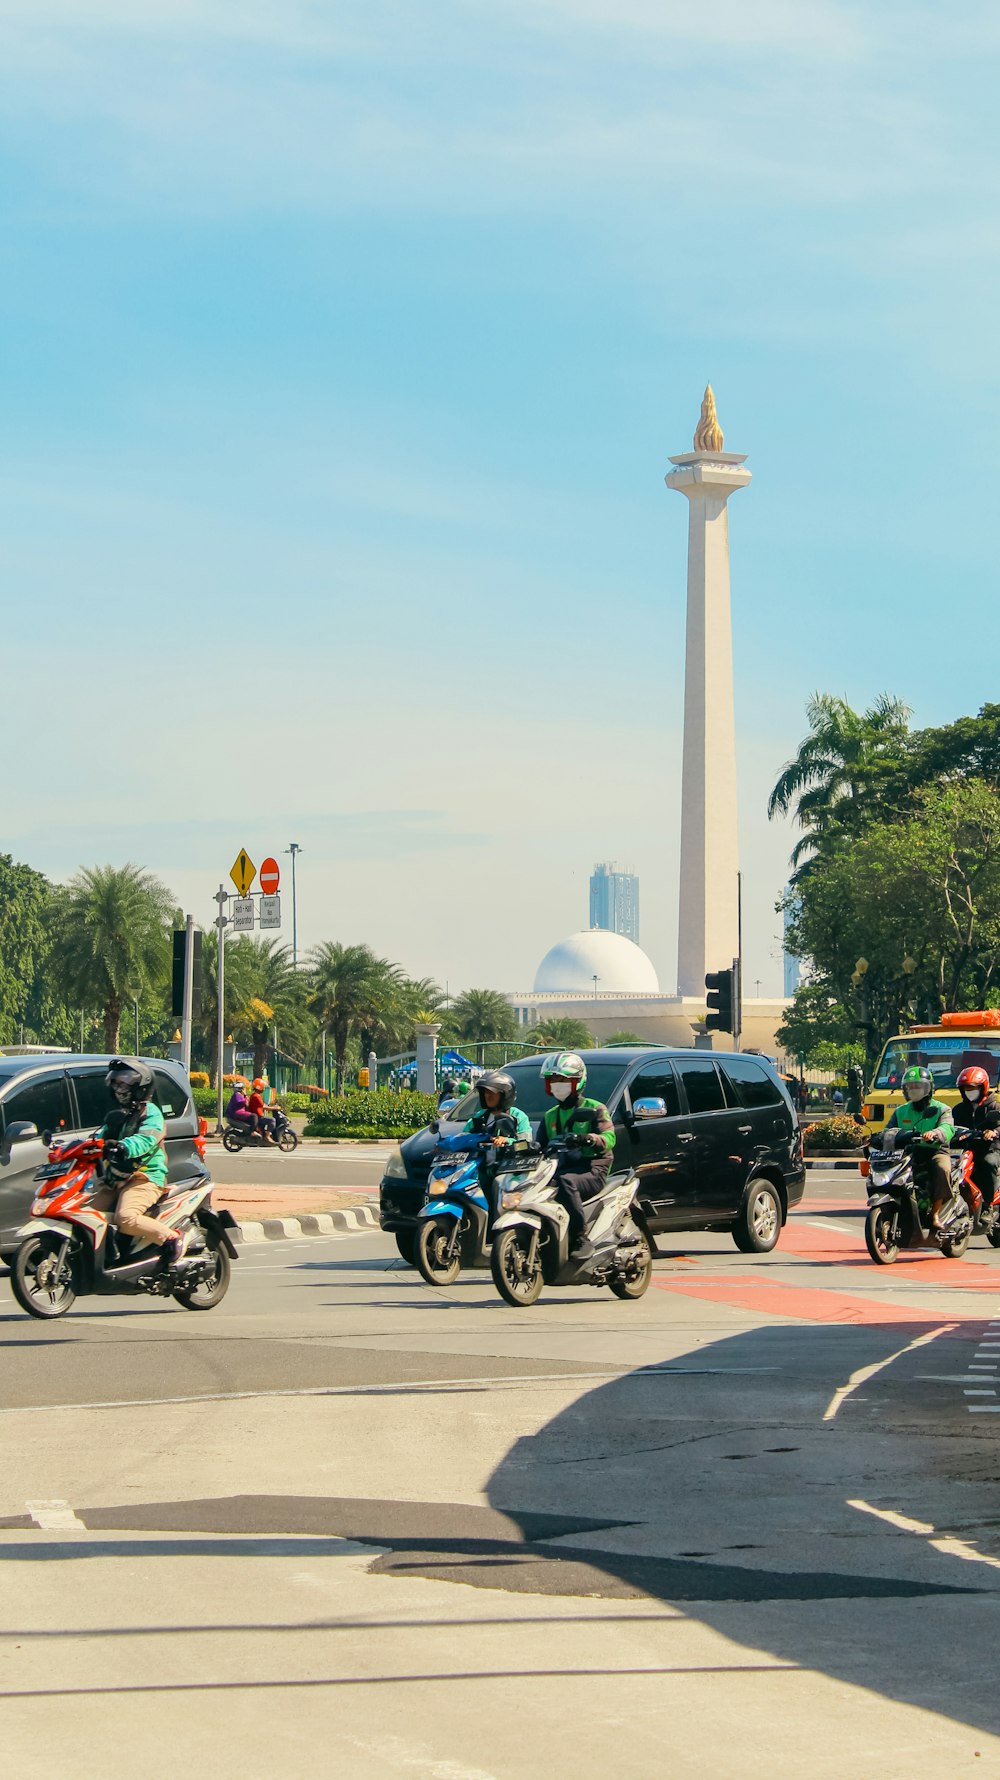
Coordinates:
[65,1095]
[712,1136]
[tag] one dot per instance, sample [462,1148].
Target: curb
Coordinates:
[311,1223]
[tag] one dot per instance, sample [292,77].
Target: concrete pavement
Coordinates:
[349,1522]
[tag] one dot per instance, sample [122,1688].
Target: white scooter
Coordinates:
[531,1232]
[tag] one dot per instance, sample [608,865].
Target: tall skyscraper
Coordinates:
[614,901]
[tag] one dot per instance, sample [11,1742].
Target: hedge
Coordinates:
[838,1133]
[384,1112]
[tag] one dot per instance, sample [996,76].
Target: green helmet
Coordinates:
[917,1076]
[568,1064]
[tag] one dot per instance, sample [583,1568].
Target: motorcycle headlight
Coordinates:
[511,1200]
[395,1168]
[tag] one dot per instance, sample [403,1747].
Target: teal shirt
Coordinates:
[143,1145]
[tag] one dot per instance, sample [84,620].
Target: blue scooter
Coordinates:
[455,1223]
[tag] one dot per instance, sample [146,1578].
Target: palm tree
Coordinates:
[561,1035]
[838,766]
[626,1038]
[266,992]
[481,1014]
[111,940]
[353,992]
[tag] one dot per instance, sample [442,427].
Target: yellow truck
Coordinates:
[957,1042]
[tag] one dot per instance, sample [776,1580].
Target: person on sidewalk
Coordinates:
[135,1160]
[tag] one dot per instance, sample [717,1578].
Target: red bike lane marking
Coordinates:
[813,1304]
[833,1246]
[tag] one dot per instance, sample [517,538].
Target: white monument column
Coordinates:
[708,923]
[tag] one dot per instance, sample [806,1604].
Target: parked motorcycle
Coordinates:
[531,1234]
[454,1225]
[240,1137]
[899,1208]
[70,1250]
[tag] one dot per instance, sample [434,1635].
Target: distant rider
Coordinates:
[238,1109]
[978,1111]
[930,1124]
[258,1111]
[135,1160]
[585,1126]
[498,1117]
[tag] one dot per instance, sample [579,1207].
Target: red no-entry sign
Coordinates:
[269,877]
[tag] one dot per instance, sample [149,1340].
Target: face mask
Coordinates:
[916,1094]
[561,1090]
[973,1094]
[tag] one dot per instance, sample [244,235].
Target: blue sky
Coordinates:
[344,349]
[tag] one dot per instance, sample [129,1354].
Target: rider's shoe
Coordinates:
[582,1249]
[173,1249]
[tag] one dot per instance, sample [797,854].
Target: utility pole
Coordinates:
[294,849]
[221,923]
[188,993]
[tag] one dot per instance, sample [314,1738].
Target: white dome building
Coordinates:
[620,966]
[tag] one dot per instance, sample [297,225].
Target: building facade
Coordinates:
[614,901]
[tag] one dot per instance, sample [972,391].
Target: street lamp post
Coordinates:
[294,849]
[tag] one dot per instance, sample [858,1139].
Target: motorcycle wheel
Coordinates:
[882,1235]
[993,1236]
[232,1141]
[209,1292]
[435,1264]
[508,1263]
[637,1283]
[288,1141]
[51,1297]
[954,1246]
[406,1243]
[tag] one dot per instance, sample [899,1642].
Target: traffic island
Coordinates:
[268,1214]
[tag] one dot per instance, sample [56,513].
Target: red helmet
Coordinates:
[974,1078]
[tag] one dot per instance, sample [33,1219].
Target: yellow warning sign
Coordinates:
[244,871]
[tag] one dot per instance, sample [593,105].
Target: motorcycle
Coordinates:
[985,1217]
[531,1234]
[240,1137]
[899,1208]
[69,1249]
[454,1226]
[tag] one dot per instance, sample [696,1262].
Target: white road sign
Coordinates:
[270,911]
[243,912]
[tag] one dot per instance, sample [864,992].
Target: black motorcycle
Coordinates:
[240,1137]
[899,1205]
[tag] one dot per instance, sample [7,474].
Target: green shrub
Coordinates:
[838,1133]
[297,1102]
[206,1101]
[199,1078]
[382,1113]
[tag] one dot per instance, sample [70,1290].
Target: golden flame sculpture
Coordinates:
[708,432]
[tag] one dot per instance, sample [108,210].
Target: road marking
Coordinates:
[474,1382]
[978,1393]
[948,1546]
[56,1516]
[863,1374]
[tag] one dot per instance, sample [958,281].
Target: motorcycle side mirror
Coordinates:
[435,1125]
[18,1131]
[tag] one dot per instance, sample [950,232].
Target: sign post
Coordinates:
[222,898]
[188,993]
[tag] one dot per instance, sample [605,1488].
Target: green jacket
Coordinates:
[480,1122]
[935,1116]
[575,1119]
[142,1140]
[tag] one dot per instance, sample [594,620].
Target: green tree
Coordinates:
[816,1018]
[352,989]
[625,1038]
[561,1035]
[839,768]
[481,1014]
[111,941]
[25,906]
[269,994]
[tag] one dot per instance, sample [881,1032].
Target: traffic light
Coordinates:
[721,999]
[177,973]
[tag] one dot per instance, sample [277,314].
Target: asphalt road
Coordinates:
[311,1165]
[349,1523]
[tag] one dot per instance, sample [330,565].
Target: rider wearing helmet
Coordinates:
[257,1109]
[930,1124]
[585,1126]
[978,1112]
[498,1117]
[135,1161]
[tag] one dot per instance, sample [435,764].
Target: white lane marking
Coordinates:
[978,1393]
[862,1376]
[474,1382]
[56,1516]
[416,1757]
[825,1224]
[948,1546]
[983,1408]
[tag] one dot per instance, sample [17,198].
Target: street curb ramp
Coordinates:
[309,1223]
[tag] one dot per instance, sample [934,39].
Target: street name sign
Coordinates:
[243,913]
[244,871]
[270,909]
[269,877]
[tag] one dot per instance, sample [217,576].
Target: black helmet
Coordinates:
[502,1084]
[130,1082]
